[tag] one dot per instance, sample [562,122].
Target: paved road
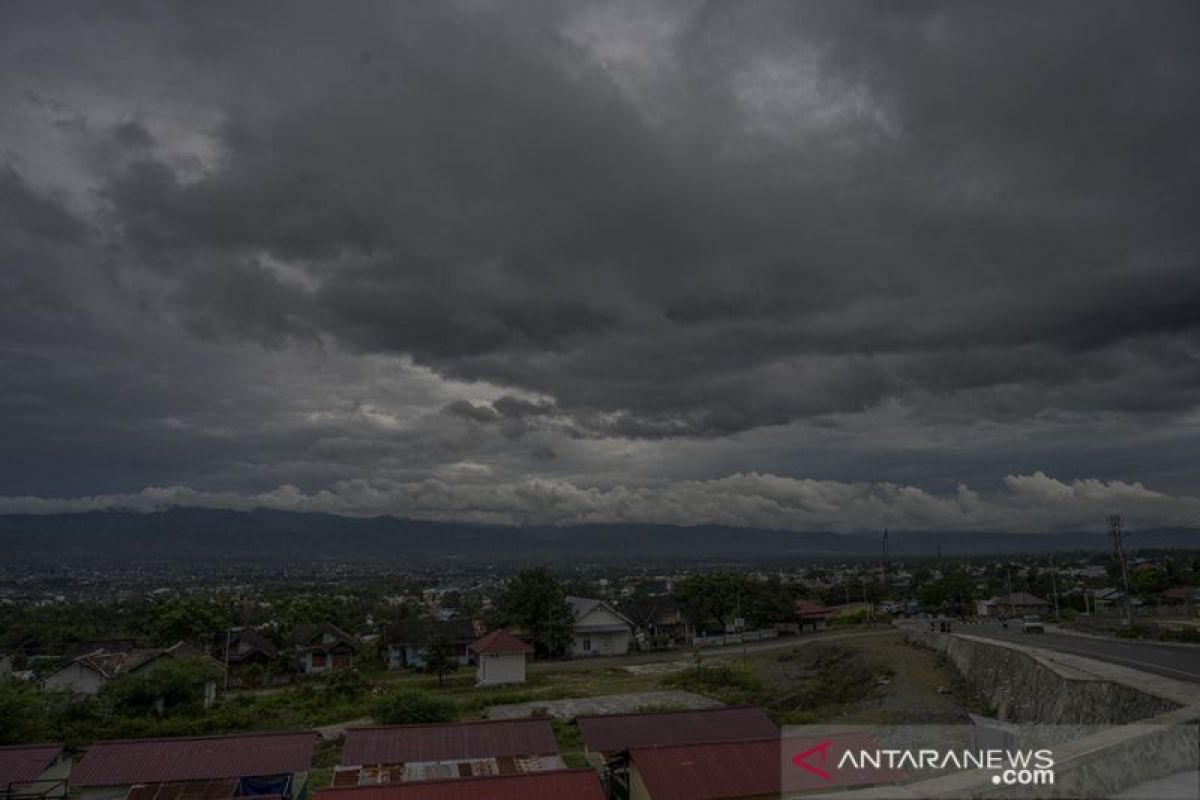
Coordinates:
[725,651]
[1181,662]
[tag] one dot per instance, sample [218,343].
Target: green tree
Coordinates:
[402,706]
[953,593]
[172,688]
[713,596]
[440,659]
[21,712]
[536,601]
[185,620]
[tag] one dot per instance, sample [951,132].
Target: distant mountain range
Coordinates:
[193,534]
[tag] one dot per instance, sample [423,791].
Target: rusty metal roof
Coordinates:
[24,763]
[128,761]
[501,641]
[710,771]
[573,784]
[612,733]
[400,744]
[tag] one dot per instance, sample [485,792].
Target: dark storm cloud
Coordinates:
[474,190]
[596,226]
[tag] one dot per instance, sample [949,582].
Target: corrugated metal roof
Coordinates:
[722,770]
[615,732]
[710,771]
[23,763]
[574,784]
[129,761]
[400,744]
[501,641]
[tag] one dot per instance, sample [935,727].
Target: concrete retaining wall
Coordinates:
[1023,688]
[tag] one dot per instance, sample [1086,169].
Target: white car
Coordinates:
[1032,624]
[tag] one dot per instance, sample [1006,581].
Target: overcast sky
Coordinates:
[806,265]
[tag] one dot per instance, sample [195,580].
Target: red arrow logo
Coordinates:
[801,760]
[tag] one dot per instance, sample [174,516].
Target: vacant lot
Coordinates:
[870,679]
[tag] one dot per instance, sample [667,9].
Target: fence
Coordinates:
[735,638]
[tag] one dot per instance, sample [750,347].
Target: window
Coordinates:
[318,660]
[587,645]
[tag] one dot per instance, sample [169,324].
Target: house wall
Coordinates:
[637,787]
[498,669]
[74,678]
[614,643]
[105,792]
[334,659]
[600,643]
[400,656]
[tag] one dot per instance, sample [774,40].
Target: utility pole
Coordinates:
[228,642]
[1054,586]
[884,570]
[866,604]
[1116,529]
[1012,603]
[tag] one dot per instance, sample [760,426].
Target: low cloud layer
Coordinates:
[1026,503]
[577,246]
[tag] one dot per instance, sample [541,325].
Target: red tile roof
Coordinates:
[615,732]
[566,784]
[400,744]
[805,608]
[24,763]
[500,641]
[711,771]
[127,761]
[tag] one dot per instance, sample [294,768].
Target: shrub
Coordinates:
[412,705]
[343,683]
[714,678]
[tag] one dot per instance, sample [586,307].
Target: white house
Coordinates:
[88,673]
[599,629]
[501,658]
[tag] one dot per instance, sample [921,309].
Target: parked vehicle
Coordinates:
[1032,624]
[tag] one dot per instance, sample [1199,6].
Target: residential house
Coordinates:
[245,651]
[89,673]
[563,784]
[1179,595]
[275,764]
[605,736]
[806,616]
[658,620]
[501,658]
[1014,605]
[599,629]
[324,647]
[408,643]
[73,650]
[1106,597]
[406,753]
[34,772]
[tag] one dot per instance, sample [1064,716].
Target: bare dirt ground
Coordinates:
[604,704]
[879,680]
